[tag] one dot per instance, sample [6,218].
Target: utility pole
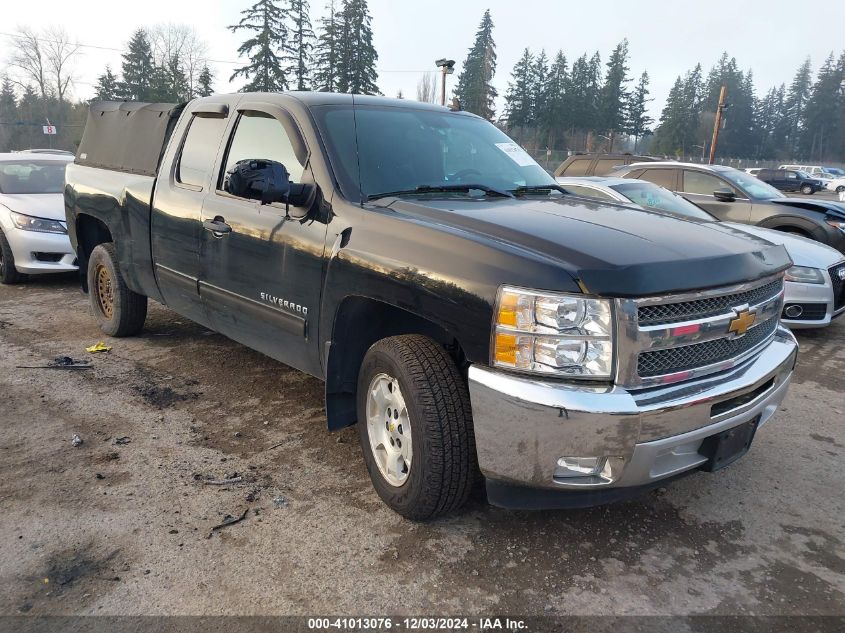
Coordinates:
[447,67]
[717,123]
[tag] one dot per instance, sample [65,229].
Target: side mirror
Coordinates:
[724,195]
[267,181]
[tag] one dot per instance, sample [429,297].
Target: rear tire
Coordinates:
[807,190]
[840,189]
[411,381]
[118,310]
[8,273]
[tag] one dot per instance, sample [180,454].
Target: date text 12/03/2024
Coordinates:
[418,623]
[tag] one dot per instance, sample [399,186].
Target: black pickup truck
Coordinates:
[470,316]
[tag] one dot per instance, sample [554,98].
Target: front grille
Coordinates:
[838,287]
[677,359]
[707,307]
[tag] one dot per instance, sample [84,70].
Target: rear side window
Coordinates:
[702,184]
[766,174]
[662,177]
[199,151]
[606,165]
[578,167]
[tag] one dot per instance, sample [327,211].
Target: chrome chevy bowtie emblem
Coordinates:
[743,320]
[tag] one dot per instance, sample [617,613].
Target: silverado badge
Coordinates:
[743,320]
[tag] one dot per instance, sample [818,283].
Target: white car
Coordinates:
[33,235]
[835,184]
[815,285]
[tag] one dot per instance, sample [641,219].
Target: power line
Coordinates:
[102,48]
[121,50]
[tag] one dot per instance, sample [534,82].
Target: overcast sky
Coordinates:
[666,37]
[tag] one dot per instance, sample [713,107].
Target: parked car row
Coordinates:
[814,292]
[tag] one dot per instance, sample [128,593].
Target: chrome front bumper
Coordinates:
[524,425]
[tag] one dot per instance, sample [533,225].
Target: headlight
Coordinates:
[805,275]
[41,225]
[545,333]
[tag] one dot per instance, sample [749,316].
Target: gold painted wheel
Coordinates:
[105,291]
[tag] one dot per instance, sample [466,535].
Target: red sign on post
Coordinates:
[49,129]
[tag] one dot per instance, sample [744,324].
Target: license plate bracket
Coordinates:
[723,449]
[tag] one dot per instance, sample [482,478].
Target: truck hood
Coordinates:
[802,250]
[50,206]
[609,249]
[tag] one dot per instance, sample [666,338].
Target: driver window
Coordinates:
[258,135]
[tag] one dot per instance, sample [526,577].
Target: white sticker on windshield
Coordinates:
[516,153]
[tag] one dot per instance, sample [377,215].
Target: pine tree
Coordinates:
[821,116]
[539,79]
[519,110]
[554,117]
[8,115]
[170,84]
[670,136]
[326,51]
[593,92]
[107,86]
[266,47]
[137,68]
[638,121]
[302,42]
[614,92]
[356,67]
[475,83]
[204,83]
[796,100]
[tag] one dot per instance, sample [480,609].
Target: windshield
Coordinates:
[835,171]
[651,196]
[32,176]
[401,149]
[804,174]
[750,185]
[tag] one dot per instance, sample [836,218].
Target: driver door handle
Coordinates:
[217,226]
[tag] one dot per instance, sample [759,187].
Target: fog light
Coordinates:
[589,470]
[793,311]
[579,466]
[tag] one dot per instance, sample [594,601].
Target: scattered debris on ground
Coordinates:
[122,440]
[222,482]
[98,347]
[227,521]
[61,362]
[76,440]
[280,502]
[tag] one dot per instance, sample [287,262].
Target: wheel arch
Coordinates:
[359,322]
[795,224]
[90,232]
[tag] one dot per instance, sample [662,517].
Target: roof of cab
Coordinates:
[310,98]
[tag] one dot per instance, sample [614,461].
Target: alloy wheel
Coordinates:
[389,429]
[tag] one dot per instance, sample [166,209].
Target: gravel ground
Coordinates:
[123,523]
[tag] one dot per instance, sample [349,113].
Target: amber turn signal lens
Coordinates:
[506,349]
[507,309]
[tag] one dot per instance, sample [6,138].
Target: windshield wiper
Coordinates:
[423,189]
[521,191]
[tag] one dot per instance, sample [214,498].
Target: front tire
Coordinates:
[807,190]
[415,427]
[118,310]
[8,273]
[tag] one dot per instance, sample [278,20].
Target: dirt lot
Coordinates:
[121,524]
